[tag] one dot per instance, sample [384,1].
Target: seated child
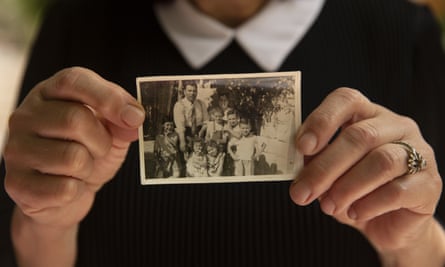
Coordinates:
[166,149]
[215,159]
[196,165]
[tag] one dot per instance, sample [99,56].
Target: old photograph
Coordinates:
[219,128]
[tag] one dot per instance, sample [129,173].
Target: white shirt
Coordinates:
[267,38]
[245,146]
[182,111]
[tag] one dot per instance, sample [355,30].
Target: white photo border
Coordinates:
[293,157]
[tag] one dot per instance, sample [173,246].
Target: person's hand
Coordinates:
[68,137]
[361,178]
[263,147]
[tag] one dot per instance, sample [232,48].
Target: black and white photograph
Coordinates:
[219,128]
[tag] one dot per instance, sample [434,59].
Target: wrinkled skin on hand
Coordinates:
[68,137]
[360,177]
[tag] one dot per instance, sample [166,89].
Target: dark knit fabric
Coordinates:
[389,50]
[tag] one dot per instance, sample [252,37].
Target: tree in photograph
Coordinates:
[252,97]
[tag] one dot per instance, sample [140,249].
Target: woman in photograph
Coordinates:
[369,194]
[166,150]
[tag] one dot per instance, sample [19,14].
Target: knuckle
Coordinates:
[409,123]
[33,197]
[428,153]
[436,185]
[321,119]
[339,195]
[10,151]
[350,96]
[66,78]
[319,169]
[386,159]
[66,191]
[20,191]
[362,134]
[14,151]
[110,100]
[429,150]
[397,191]
[16,120]
[75,158]
[75,118]
[12,187]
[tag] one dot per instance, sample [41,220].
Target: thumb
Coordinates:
[110,101]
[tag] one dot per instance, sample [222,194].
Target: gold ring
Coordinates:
[415,162]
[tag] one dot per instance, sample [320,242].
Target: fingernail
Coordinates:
[328,205]
[307,143]
[300,193]
[132,116]
[352,214]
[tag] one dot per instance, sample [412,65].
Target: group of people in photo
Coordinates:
[204,141]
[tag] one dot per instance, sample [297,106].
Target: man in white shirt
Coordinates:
[189,114]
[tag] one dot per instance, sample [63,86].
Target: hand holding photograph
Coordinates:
[219,128]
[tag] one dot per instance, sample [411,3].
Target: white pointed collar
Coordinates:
[267,38]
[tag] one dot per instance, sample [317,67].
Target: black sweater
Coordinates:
[389,50]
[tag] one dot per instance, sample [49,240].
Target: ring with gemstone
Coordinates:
[415,161]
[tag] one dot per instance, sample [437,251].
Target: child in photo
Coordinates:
[215,159]
[231,130]
[232,126]
[225,104]
[245,150]
[166,149]
[213,129]
[196,165]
